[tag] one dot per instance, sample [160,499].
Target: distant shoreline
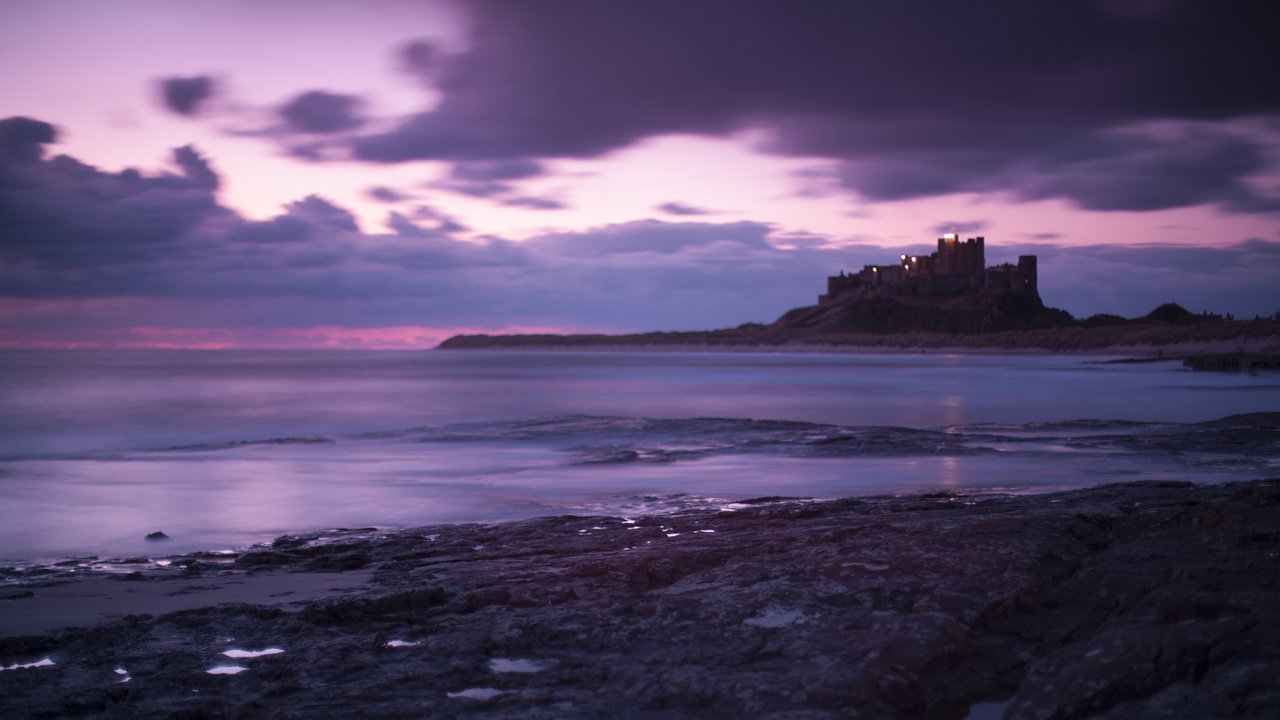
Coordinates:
[1142,341]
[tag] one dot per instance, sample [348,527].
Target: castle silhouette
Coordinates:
[957,267]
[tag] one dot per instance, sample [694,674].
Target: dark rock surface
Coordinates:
[1120,601]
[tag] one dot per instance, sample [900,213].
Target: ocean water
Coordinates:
[222,449]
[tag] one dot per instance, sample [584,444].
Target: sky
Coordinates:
[385,174]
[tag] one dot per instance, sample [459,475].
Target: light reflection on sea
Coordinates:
[86,465]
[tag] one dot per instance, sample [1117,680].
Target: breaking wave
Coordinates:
[606,440]
[590,440]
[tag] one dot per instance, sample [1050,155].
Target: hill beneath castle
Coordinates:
[961,313]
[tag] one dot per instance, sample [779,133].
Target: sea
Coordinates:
[224,449]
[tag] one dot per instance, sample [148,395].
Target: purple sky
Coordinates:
[384,174]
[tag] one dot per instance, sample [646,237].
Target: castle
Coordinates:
[957,267]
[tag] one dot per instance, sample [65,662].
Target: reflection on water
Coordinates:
[280,442]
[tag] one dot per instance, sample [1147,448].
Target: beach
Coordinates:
[1146,600]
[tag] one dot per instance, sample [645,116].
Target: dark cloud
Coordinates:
[519,169]
[402,225]
[445,222]
[195,167]
[22,139]
[420,57]
[679,208]
[476,189]
[915,99]
[382,193]
[442,226]
[60,214]
[534,203]
[1131,171]
[320,112]
[653,236]
[69,231]
[319,211]
[495,181]
[185,95]
[276,231]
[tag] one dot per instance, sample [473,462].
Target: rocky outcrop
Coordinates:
[968,313]
[1122,601]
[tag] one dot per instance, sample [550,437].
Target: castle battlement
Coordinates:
[957,267]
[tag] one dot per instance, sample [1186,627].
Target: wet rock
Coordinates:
[1150,601]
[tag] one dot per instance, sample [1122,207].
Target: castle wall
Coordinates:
[957,257]
[957,267]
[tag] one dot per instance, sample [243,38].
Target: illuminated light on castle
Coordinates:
[956,268]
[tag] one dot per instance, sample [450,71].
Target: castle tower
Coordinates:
[947,253]
[956,257]
[1027,274]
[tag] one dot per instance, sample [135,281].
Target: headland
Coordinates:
[948,300]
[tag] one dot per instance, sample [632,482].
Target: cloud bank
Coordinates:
[86,248]
[1109,104]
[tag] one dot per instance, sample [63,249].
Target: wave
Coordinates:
[597,440]
[232,444]
[608,440]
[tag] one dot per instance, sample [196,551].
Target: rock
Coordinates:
[156,536]
[1150,601]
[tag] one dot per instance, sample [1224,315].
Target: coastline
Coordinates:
[1143,341]
[919,605]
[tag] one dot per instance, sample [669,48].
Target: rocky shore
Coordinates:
[1150,600]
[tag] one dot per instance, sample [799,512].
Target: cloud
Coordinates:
[534,203]
[319,211]
[321,112]
[82,248]
[654,236]
[59,215]
[185,95]
[381,193]
[402,225]
[195,167]
[1134,171]
[22,139]
[420,57]
[518,169]
[494,181]
[679,208]
[409,226]
[912,99]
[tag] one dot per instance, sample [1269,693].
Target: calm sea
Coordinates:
[224,449]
